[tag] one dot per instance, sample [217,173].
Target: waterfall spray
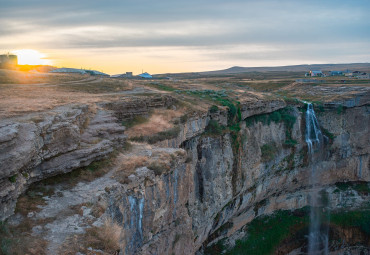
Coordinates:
[318,239]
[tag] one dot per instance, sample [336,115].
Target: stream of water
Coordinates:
[318,238]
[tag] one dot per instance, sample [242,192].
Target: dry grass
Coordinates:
[25,92]
[23,77]
[106,238]
[126,165]
[32,198]
[18,240]
[85,174]
[21,99]
[160,162]
[101,85]
[161,119]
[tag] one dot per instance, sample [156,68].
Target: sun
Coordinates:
[31,57]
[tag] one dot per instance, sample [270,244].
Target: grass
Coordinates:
[160,122]
[160,162]
[127,165]
[32,198]
[266,233]
[267,86]
[85,174]
[106,238]
[358,219]
[162,87]
[106,85]
[159,167]
[18,239]
[158,137]
[24,77]
[136,120]
[361,187]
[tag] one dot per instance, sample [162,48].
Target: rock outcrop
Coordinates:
[42,145]
[251,162]
[230,180]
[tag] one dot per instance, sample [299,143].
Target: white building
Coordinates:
[316,73]
[145,75]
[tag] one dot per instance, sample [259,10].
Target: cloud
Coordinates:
[291,28]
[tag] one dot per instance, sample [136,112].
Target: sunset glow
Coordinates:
[169,36]
[31,57]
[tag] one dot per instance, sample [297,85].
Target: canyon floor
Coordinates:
[122,166]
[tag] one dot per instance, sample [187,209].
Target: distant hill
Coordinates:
[294,68]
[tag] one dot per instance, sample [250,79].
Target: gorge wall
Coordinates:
[228,168]
[255,168]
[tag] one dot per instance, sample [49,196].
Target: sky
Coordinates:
[116,36]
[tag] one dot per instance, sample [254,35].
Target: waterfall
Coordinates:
[318,238]
[137,213]
[313,132]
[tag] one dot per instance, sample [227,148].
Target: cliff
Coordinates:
[225,168]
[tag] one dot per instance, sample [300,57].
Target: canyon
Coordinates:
[228,170]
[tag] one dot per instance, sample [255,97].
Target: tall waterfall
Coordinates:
[318,238]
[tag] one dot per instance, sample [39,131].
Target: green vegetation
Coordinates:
[340,109]
[265,233]
[328,134]
[221,97]
[213,128]
[5,241]
[358,219]
[13,178]
[136,120]
[267,86]
[160,86]
[87,174]
[161,136]
[283,115]
[157,167]
[268,152]
[213,109]
[290,142]
[361,187]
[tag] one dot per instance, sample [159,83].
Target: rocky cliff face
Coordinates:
[230,167]
[38,146]
[238,175]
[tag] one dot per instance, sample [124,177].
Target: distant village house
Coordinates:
[316,73]
[336,73]
[8,61]
[145,75]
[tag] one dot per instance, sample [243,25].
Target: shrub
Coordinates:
[268,152]
[105,238]
[13,178]
[328,134]
[276,116]
[340,109]
[213,128]
[290,142]
[213,109]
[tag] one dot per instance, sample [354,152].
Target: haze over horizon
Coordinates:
[167,36]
